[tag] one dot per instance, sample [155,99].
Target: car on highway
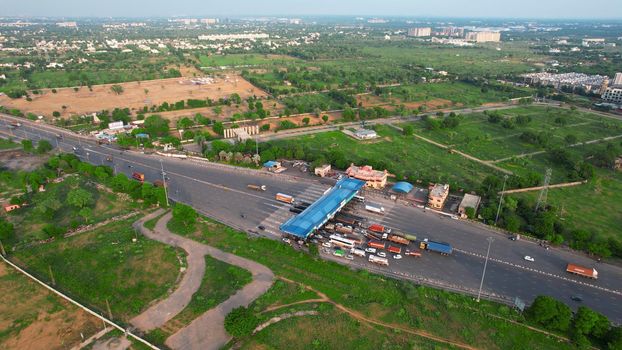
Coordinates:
[382,254]
[528,258]
[261,227]
[576,298]
[370,250]
[397,256]
[326,245]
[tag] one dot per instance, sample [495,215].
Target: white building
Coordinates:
[420,32]
[613,95]
[617,80]
[484,37]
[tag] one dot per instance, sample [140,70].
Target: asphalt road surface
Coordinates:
[221,192]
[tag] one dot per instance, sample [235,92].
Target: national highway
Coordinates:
[220,192]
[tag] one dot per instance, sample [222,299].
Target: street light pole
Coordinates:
[481,283]
[164,182]
[505,178]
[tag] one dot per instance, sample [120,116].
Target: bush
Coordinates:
[550,313]
[265,127]
[241,322]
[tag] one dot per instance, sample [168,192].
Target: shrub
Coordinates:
[241,322]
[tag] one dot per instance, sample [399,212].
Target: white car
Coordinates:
[397,257]
[286,240]
[382,254]
[370,250]
[528,258]
[349,257]
[326,244]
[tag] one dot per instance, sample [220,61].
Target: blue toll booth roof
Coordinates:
[323,209]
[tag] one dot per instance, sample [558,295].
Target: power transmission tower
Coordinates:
[545,189]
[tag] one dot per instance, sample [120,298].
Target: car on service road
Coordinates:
[528,258]
[382,254]
[326,245]
[397,256]
[349,257]
[371,250]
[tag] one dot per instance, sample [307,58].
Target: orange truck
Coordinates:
[582,271]
[377,245]
[281,197]
[394,249]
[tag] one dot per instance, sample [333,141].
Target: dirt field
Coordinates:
[19,160]
[33,318]
[227,111]
[136,95]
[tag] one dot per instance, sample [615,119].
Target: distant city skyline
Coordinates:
[537,9]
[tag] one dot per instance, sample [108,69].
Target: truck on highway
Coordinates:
[413,253]
[378,260]
[257,187]
[379,228]
[344,229]
[345,220]
[394,249]
[358,252]
[398,240]
[374,208]
[377,245]
[439,247]
[284,198]
[373,235]
[138,176]
[582,271]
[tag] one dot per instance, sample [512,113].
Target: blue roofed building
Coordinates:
[402,187]
[322,210]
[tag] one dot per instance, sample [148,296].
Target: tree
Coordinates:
[325,118]
[79,197]
[43,146]
[184,214]
[27,145]
[241,322]
[217,110]
[117,89]
[408,130]
[86,213]
[155,125]
[184,123]
[48,206]
[590,323]
[219,128]
[470,212]
[570,139]
[306,120]
[56,114]
[550,313]
[6,230]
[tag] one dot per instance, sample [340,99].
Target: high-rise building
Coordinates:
[617,80]
[613,95]
[420,32]
[483,37]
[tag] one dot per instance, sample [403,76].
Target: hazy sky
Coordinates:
[416,8]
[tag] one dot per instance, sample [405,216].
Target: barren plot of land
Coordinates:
[33,318]
[135,95]
[272,106]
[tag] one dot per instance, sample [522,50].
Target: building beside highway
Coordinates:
[469,201]
[323,171]
[437,195]
[365,134]
[373,178]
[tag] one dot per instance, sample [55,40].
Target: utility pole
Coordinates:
[505,178]
[164,182]
[2,249]
[108,307]
[51,275]
[481,283]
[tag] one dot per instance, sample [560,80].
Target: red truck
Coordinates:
[395,250]
[413,253]
[376,245]
[379,228]
[138,176]
[582,271]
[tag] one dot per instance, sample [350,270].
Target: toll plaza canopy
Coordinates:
[323,209]
[402,187]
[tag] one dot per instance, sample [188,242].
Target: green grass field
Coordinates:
[8,144]
[451,316]
[236,60]
[105,264]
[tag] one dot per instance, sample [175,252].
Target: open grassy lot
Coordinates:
[237,60]
[7,144]
[401,155]
[447,315]
[459,93]
[595,206]
[492,141]
[106,264]
[33,318]
[220,281]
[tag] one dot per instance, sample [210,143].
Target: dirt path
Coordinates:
[357,315]
[207,331]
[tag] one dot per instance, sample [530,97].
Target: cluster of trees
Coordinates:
[586,327]
[450,121]
[243,153]
[233,99]
[496,117]
[43,146]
